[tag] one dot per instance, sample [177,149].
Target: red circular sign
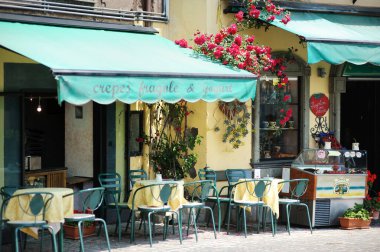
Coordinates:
[319,104]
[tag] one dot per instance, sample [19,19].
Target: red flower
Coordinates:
[241,65]
[251,39]
[218,54]
[139,139]
[289,113]
[200,40]
[286,98]
[285,19]
[237,40]
[271,18]
[232,29]
[218,38]
[254,13]
[239,16]
[181,43]
[211,46]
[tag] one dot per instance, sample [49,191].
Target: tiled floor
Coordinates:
[322,239]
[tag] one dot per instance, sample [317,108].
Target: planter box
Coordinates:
[351,223]
[72,232]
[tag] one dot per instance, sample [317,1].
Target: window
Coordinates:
[136,132]
[279,141]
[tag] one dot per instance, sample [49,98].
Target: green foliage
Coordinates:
[171,143]
[357,212]
[236,122]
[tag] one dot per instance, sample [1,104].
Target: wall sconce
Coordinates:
[39,109]
[321,72]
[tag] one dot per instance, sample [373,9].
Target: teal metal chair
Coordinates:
[297,188]
[111,182]
[257,189]
[8,191]
[161,192]
[134,176]
[199,191]
[33,205]
[216,198]
[233,176]
[89,200]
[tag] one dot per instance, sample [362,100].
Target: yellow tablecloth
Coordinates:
[270,199]
[150,195]
[58,209]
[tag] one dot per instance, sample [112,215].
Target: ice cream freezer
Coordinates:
[337,180]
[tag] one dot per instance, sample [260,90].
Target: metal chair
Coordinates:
[297,188]
[199,191]
[161,193]
[89,201]
[255,190]
[33,207]
[233,176]
[134,176]
[111,182]
[7,191]
[216,197]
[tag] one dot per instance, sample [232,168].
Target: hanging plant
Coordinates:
[236,122]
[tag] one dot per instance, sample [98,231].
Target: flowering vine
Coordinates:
[372,199]
[241,51]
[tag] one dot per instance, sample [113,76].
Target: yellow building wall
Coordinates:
[6,57]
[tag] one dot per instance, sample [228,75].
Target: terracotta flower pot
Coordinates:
[352,223]
[72,232]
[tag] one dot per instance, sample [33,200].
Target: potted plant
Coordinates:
[356,217]
[372,199]
[171,143]
[71,229]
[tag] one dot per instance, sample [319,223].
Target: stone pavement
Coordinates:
[322,239]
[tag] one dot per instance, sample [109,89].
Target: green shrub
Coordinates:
[357,212]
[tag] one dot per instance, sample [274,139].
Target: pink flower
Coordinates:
[239,16]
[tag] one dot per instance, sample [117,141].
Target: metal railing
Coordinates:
[50,7]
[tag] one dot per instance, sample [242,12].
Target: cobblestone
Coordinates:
[322,239]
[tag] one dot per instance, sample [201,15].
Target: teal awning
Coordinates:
[337,38]
[105,66]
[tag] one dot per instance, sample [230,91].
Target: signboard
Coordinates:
[319,104]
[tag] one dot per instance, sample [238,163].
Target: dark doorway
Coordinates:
[360,120]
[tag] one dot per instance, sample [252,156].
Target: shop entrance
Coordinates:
[360,120]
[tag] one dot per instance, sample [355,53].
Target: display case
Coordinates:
[337,180]
[277,140]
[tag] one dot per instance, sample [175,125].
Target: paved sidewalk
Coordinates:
[322,239]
